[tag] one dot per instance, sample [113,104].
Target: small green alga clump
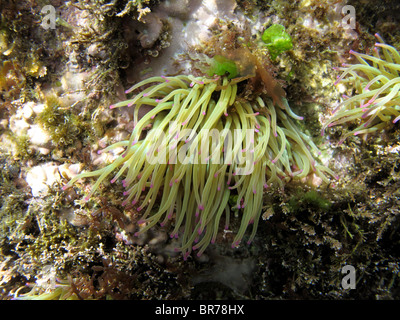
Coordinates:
[277,40]
[222,66]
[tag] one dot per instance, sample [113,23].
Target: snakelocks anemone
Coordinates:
[376,80]
[205,144]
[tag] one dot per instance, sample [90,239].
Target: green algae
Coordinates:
[277,40]
[222,66]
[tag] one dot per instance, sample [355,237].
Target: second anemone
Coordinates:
[376,80]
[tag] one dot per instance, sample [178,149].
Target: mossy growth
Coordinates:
[63,126]
[22,145]
[311,198]
[12,199]
[277,40]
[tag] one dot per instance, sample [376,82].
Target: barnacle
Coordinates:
[376,80]
[206,143]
